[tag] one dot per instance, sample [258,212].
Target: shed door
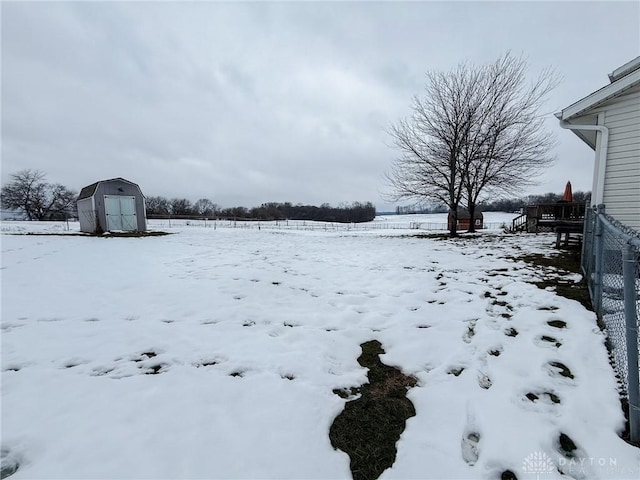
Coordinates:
[121,212]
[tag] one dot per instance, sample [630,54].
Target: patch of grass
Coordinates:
[626,433]
[98,235]
[432,236]
[347,392]
[561,262]
[369,427]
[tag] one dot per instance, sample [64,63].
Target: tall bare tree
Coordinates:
[29,192]
[475,130]
[509,145]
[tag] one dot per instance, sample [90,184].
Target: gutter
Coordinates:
[597,197]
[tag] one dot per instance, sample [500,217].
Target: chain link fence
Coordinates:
[611,264]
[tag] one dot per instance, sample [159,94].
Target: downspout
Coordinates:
[597,198]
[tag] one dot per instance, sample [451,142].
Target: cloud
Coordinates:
[245,103]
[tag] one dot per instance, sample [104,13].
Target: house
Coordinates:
[110,205]
[608,120]
[464,220]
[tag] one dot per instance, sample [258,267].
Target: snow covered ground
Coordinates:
[213,353]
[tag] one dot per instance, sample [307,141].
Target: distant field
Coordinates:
[432,222]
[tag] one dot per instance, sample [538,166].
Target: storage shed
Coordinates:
[110,205]
[464,220]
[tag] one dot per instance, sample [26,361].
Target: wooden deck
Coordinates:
[562,218]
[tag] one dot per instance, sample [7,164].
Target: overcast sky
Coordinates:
[245,103]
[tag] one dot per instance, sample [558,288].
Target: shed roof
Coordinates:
[465,215]
[89,190]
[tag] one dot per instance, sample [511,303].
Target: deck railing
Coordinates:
[547,216]
[557,211]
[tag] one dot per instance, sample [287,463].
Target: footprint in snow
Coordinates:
[470,333]
[495,352]
[9,462]
[469,448]
[560,369]
[556,323]
[576,465]
[484,381]
[13,367]
[469,445]
[548,398]
[548,342]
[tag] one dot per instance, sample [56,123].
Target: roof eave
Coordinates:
[599,97]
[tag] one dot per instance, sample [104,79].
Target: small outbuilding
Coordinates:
[464,220]
[112,205]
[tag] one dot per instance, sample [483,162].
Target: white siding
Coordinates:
[622,176]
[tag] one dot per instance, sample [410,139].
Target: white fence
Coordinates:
[310,225]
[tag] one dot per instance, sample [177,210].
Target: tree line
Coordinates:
[516,204]
[498,205]
[30,193]
[181,207]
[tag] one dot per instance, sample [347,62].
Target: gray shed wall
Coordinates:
[86,215]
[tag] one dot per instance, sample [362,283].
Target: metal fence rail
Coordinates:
[611,264]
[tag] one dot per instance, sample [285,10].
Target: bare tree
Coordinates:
[509,145]
[475,130]
[432,141]
[157,206]
[181,206]
[205,207]
[29,192]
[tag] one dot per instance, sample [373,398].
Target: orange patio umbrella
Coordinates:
[568,194]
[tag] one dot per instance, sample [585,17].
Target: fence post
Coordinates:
[597,271]
[586,235]
[630,318]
